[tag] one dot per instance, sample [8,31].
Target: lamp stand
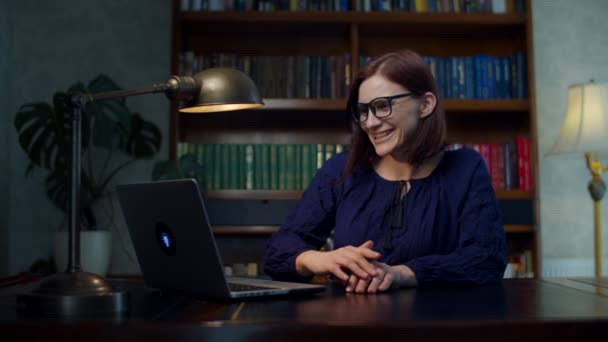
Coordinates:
[76,292]
[597,188]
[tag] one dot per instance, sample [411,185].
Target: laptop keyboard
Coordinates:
[245,287]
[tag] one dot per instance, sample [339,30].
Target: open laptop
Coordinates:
[175,246]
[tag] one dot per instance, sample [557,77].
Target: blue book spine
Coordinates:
[448,77]
[443,78]
[490,80]
[344,5]
[505,62]
[478,76]
[469,77]
[461,80]
[522,91]
[498,83]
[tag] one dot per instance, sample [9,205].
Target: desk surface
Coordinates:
[522,308]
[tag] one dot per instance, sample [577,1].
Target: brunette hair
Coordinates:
[408,69]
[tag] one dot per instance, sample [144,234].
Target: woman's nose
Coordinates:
[372,120]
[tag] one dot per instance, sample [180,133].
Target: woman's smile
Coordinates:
[382,136]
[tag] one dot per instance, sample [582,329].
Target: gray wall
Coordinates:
[571,46]
[52,44]
[4,139]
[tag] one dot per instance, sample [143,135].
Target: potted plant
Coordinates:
[113,137]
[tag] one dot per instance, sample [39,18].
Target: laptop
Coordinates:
[176,248]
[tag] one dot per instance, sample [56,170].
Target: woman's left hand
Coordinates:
[386,277]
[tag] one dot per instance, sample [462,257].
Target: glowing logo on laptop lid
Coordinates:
[165,238]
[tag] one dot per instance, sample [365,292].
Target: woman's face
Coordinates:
[390,134]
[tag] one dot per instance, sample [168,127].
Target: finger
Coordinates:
[352,283]
[387,282]
[370,254]
[367,251]
[375,283]
[357,270]
[337,271]
[356,264]
[359,256]
[367,244]
[362,286]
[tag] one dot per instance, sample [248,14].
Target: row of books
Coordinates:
[292,166]
[438,6]
[249,269]
[306,77]
[266,5]
[419,6]
[508,163]
[259,166]
[480,76]
[519,265]
[466,77]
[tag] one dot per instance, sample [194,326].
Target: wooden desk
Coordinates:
[517,310]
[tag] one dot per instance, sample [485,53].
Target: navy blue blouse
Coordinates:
[450,231]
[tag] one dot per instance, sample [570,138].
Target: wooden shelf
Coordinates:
[267,195]
[514,195]
[519,228]
[253,194]
[303,104]
[268,230]
[449,105]
[245,230]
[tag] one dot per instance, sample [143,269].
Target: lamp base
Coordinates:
[74,294]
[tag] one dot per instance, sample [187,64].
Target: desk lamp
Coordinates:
[585,130]
[76,292]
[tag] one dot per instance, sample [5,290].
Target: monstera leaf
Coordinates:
[109,129]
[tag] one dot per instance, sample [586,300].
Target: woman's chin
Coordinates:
[382,151]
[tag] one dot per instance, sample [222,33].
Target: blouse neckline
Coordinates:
[413,180]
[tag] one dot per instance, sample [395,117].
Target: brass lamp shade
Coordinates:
[585,128]
[223,89]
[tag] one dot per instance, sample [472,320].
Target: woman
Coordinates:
[404,211]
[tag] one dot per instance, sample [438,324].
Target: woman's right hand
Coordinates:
[351,259]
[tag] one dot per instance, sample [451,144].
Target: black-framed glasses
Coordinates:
[380,107]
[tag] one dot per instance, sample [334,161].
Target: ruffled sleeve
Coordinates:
[480,257]
[308,225]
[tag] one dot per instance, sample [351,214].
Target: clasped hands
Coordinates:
[356,267]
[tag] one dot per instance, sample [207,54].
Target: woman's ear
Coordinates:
[427,104]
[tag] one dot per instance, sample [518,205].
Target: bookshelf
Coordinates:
[321,120]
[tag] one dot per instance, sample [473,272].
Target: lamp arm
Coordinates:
[176,87]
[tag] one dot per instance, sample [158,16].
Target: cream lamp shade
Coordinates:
[585,128]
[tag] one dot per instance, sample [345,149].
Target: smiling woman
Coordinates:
[404,212]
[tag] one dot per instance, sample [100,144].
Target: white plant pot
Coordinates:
[95,251]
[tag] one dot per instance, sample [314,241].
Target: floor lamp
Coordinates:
[585,130]
[76,292]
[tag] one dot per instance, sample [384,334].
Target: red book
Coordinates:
[527,172]
[484,150]
[523,162]
[500,166]
[495,166]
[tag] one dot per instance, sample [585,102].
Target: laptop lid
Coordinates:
[175,245]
